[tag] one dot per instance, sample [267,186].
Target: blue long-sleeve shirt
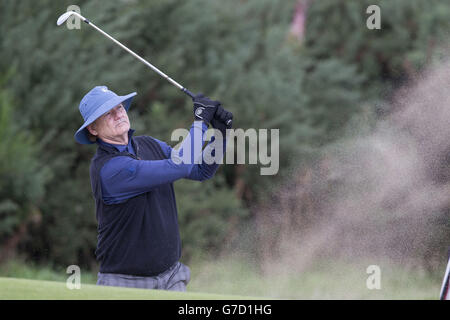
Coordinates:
[124,177]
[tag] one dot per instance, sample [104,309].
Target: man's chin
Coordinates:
[123,127]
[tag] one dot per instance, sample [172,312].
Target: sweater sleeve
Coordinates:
[201,170]
[124,177]
[205,170]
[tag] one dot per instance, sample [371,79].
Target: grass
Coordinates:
[335,280]
[21,281]
[26,289]
[20,269]
[234,278]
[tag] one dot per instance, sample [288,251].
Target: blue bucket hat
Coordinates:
[94,104]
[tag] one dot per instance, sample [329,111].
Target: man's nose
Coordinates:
[117,115]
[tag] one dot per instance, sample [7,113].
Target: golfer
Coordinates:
[132,183]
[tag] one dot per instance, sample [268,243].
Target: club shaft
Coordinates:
[162,74]
[445,285]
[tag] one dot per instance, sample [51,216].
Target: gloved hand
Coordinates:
[221,120]
[204,108]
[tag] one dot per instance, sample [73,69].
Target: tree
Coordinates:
[22,179]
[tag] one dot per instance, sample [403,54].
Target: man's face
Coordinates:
[112,125]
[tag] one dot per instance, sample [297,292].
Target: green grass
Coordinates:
[26,289]
[331,280]
[25,281]
[234,278]
[20,269]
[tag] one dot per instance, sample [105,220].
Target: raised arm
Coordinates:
[124,177]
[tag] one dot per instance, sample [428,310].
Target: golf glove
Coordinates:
[204,108]
[220,120]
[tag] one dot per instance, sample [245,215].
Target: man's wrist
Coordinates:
[205,125]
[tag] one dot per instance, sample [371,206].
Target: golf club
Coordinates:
[62,18]
[445,295]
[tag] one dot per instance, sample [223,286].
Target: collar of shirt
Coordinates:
[120,147]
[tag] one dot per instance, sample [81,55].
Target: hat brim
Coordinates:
[81,136]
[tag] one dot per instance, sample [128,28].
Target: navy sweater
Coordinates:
[124,177]
[139,236]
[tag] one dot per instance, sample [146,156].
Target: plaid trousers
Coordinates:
[175,278]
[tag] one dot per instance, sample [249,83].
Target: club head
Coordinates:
[62,18]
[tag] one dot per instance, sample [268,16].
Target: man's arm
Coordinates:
[204,171]
[124,177]
[200,171]
[221,122]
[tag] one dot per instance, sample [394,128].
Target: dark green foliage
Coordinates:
[22,178]
[209,214]
[410,32]
[237,51]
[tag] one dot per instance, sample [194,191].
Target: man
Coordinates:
[132,182]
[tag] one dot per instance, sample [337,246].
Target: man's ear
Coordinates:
[91,129]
